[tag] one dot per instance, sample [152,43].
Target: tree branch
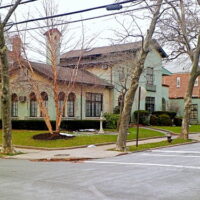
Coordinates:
[10,12]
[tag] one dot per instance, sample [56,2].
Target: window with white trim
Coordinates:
[150,104]
[194,111]
[94,104]
[150,76]
[178,82]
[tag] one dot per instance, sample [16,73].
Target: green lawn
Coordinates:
[24,137]
[175,129]
[157,144]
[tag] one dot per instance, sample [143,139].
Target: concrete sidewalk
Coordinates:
[87,152]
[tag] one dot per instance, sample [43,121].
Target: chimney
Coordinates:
[15,47]
[53,37]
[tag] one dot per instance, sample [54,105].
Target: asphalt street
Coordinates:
[168,174]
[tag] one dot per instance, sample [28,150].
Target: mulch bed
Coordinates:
[49,136]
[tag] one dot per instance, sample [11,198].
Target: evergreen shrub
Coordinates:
[111,120]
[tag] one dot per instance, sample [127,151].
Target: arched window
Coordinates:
[14,105]
[33,105]
[61,99]
[70,104]
[44,96]
[163,104]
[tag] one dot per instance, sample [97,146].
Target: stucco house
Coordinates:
[102,75]
[178,83]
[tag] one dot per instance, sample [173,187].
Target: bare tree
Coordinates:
[138,66]
[182,33]
[48,45]
[5,98]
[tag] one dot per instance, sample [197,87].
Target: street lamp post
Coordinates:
[138,116]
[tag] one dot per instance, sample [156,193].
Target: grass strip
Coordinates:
[147,146]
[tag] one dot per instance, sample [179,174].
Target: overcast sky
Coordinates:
[99,29]
[102,27]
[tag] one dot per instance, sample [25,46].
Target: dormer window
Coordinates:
[178,82]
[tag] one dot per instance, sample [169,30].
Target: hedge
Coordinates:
[171,114]
[161,120]
[164,120]
[66,124]
[143,116]
[154,120]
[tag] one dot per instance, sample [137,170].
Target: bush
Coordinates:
[143,116]
[154,120]
[177,121]
[116,110]
[169,113]
[111,120]
[164,120]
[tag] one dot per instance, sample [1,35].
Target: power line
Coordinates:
[69,13]
[10,5]
[87,19]
[79,20]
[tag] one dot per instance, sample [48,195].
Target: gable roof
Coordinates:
[134,46]
[166,72]
[66,74]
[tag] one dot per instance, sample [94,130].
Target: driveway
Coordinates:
[168,174]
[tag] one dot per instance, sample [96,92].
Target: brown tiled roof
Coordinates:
[111,49]
[66,74]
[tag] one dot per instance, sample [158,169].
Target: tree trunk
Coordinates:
[187,102]
[126,113]
[120,110]
[138,67]
[5,99]
[186,118]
